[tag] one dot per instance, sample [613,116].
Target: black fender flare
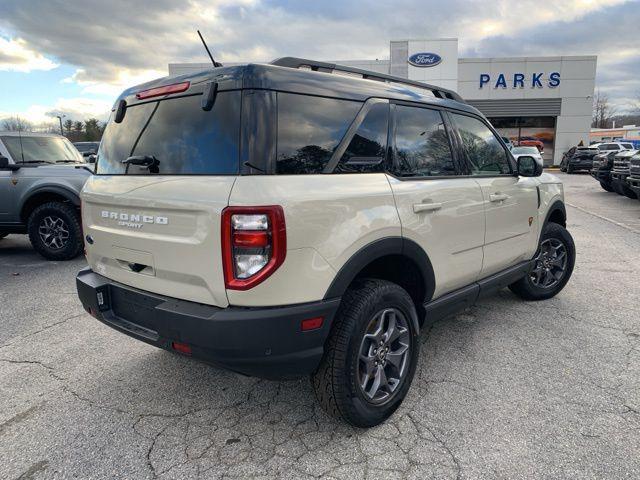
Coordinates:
[69,195]
[556,206]
[378,249]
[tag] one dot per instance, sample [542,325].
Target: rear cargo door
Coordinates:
[154,224]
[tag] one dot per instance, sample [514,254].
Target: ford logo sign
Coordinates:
[425,59]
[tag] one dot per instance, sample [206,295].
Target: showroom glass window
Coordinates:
[309,130]
[422,147]
[483,150]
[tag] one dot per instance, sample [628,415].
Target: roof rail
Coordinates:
[293,62]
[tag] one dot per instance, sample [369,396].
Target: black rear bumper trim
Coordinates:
[265,342]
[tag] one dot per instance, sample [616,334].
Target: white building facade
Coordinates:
[541,101]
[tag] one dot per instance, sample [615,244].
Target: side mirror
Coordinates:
[92,158]
[5,165]
[529,167]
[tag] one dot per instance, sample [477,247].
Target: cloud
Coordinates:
[16,56]
[73,108]
[119,43]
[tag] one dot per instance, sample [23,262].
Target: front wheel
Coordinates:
[627,192]
[606,186]
[370,356]
[553,265]
[55,231]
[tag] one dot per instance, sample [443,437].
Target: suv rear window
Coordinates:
[609,146]
[184,139]
[309,130]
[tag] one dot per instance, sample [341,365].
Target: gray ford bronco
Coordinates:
[41,176]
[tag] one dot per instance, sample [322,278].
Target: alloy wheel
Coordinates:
[384,356]
[550,264]
[53,232]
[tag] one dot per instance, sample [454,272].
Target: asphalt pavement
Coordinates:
[508,389]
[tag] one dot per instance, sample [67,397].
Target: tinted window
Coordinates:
[309,130]
[33,149]
[628,145]
[609,146]
[483,150]
[366,151]
[421,143]
[179,134]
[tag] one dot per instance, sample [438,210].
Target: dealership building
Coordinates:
[543,101]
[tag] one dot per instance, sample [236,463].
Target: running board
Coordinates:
[458,300]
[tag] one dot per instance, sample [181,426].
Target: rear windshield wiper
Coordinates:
[148,161]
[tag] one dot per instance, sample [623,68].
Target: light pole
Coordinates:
[60,119]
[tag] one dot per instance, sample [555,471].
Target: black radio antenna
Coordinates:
[215,64]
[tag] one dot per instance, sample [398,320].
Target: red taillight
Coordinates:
[254,244]
[180,347]
[164,90]
[311,323]
[250,239]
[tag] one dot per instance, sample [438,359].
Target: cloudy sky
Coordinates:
[75,56]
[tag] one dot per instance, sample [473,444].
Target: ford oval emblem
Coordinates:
[425,59]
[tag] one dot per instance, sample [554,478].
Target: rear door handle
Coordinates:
[426,207]
[498,197]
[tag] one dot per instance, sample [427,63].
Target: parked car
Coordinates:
[601,170]
[518,152]
[306,244]
[613,146]
[41,176]
[620,172]
[633,180]
[507,142]
[531,142]
[582,159]
[89,150]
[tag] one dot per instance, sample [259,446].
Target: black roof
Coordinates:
[349,84]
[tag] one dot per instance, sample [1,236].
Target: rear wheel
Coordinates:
[606,186]
[553,265]
[55,232]
[371,354]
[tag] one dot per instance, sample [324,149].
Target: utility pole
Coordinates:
[60,119]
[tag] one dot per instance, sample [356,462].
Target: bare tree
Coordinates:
[603,111]
[16,124]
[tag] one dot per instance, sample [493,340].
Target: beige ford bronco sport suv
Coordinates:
[307,218]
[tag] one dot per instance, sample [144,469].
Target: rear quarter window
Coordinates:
[309,130]
[185,139]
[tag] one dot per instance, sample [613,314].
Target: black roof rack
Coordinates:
[293,62]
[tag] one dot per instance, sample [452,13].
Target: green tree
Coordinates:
[78,131]
[68,127]
[92,129]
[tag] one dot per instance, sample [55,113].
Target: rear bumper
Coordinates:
[263,342]
[581,164]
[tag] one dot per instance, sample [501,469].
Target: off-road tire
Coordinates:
[526,288]
[627,192]
[335,382]
[69,215]
[607,187]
